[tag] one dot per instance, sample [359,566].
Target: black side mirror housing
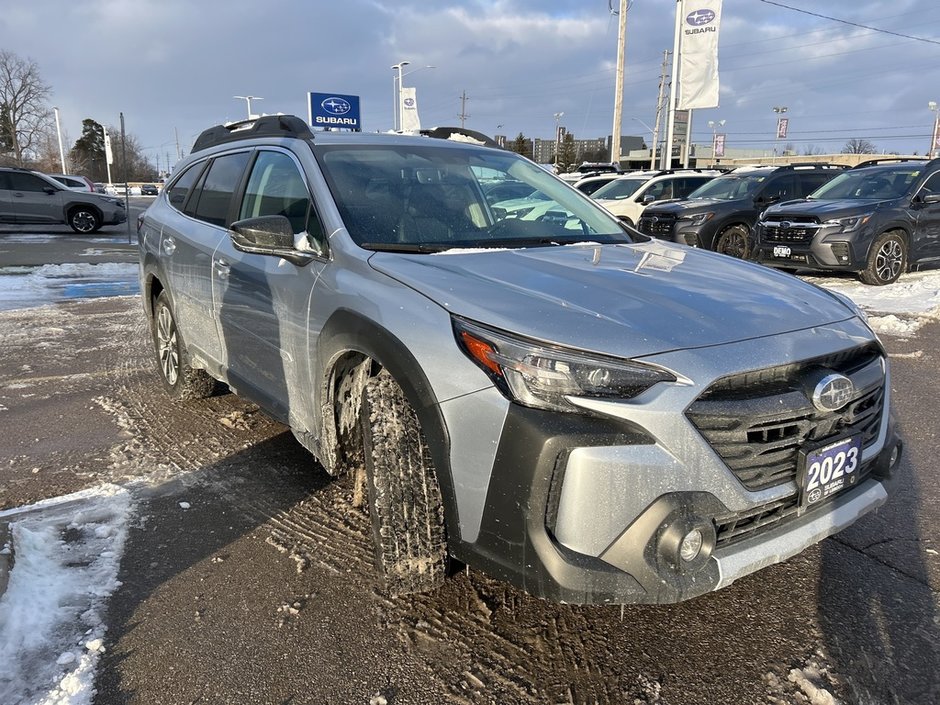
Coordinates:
[269,235]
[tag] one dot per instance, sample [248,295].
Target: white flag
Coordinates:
[410,122]
[109,157]
[698,53]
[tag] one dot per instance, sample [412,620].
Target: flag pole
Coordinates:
[666,162]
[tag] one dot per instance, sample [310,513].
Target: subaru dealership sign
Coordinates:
[334,110]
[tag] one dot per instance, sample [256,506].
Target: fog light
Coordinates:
[691,545]
[895,456]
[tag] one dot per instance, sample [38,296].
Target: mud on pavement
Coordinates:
[247,575]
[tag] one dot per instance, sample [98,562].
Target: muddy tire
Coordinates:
[887,260]
[179,378]
[734,241]
[405,502]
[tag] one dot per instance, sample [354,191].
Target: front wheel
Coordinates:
[887,260]
[734,242]
[84,220]
[405,502]
[179,377]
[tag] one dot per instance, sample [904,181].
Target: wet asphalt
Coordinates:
[262,591]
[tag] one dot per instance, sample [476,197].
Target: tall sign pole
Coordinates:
[618,91]
[666,161]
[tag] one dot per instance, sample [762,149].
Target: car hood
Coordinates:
[624,300]
[825,210]
[688,205]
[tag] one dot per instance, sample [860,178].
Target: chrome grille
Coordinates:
[657,225]
[759,421]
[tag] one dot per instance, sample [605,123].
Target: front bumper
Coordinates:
[589,509]
[835,251]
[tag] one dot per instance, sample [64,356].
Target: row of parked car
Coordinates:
[878,219]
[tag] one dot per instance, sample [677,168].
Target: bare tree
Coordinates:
[857,145]
[23,96]
[812,150]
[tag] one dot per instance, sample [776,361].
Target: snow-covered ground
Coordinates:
[68,550]
[66,554]
[24,287]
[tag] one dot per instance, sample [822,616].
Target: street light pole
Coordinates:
[58,131]
[715,125]
[935,138]
[248,99]
[653,148]
[558,117]
[396,94]
[779,110]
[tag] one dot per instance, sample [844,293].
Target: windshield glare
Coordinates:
[730,187]
[618,189]
[431,198]
[880,184]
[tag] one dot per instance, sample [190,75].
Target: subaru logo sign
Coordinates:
[700,18]
[336,106]
[409,102]
[334,111]
[833,392]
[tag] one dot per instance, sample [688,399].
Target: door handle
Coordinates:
[222,268]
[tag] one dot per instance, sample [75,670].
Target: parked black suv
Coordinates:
[877,219]
[720,214]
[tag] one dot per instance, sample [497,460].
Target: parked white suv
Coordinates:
[627,195]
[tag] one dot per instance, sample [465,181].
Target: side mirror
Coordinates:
[767,200]
[269,235]
[49,190]
[648,198]
[931,198]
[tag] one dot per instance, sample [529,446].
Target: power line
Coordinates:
[851,24]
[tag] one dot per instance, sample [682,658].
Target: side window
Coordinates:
[277,187]
[215,195]
[659,190]
[783,189]
[27,182]
[810,182]
[4,181]
[931,185]
[176,194]
[684,187]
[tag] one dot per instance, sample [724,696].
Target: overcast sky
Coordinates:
[172,66]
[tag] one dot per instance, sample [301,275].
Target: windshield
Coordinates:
[618,189]
[427,198]
[730,187]
[879,183]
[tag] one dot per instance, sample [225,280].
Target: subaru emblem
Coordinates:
[336,106]
[409,102]
[833,392]
[700,17]
[785,225]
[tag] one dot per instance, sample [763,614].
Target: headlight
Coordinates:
[543,377]
[698,218]
[847,225]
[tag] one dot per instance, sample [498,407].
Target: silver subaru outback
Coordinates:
[526,386]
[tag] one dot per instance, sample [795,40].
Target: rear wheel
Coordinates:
[179,377]
[734,241]
[405,502]
[887,260]
[84,220]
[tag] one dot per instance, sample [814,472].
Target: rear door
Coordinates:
[926,240]
[203,196]
[35,200]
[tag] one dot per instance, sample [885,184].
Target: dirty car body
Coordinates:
[600,420]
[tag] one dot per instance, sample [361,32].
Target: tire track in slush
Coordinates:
[501,645]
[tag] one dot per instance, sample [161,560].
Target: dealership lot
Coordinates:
[247,573]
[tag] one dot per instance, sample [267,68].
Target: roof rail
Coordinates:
[461,134]
[265,126]
[892,160]
[824,165]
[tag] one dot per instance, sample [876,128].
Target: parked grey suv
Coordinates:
[565,404]
[28,197]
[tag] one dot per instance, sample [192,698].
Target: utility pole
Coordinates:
[179,154]
[663,78]
[463,108]
[618,91]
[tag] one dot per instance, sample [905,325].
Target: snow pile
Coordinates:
[898,309]
[66,557]
[33,286]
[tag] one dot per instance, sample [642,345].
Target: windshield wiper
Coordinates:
[422,247]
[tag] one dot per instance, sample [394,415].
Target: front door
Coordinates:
[32,200]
